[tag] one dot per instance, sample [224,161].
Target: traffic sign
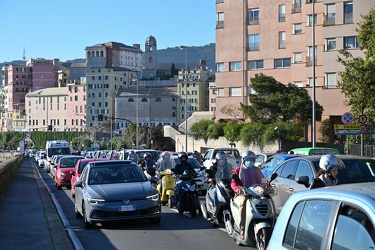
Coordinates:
[362,119]
[347,118]
[347,126]
[363,129]
[347,132]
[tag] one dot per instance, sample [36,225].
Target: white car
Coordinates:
[336,217]
[233,157]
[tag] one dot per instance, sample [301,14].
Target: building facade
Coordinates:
[295,41]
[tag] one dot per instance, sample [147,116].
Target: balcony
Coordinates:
[329,19]
[296,8]
[253,21]
[348,18]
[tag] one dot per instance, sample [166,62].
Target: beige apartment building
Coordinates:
[279,39]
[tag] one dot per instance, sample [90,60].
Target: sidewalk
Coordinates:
[28,217]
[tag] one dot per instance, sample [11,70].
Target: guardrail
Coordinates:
[8,166]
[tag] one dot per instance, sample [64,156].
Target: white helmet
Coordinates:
[328,161]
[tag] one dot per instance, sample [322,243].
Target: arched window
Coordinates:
[157,99]
[131,100]
[97,53]
[150,59]
[144,100]
[151,49]
[101,53]
[88,53]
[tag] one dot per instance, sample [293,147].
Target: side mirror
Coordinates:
[72,172]
[273,176]
[304,180]
[78,183]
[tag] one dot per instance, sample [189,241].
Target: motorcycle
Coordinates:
[260,216]
[224,193]
[150,173]
[166,188]
[187,191]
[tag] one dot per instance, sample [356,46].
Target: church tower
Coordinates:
[150,58]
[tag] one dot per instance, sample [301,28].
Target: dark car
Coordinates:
[121,193]
[296,174]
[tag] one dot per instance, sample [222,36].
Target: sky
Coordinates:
[62,29]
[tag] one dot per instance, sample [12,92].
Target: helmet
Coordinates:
[247,153]
[147,154]
[328,161]
[220,156]
[182,155]
[165,155]
[131,152]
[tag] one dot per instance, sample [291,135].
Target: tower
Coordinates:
[150,58]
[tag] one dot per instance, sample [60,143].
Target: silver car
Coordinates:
[296,174]
[121,193]
[336,217]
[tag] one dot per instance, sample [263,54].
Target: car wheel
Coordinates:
[58,186]
[88,224]
[264,236]
[155,220]
[72,194]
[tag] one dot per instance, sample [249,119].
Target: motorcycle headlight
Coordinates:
[94,201]
[154,197]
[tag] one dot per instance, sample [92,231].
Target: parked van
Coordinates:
[314,151]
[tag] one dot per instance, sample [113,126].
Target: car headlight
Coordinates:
[93,201]
[154,197]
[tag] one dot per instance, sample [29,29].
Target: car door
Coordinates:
[207,159]
[285,175]
[304,168]
[79,191]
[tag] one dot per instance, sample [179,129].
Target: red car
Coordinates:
[64,170]
[80,165]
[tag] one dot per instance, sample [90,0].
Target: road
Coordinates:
[176,231]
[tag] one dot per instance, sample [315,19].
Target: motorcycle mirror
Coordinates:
[273,176]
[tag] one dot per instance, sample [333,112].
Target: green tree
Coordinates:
[232,130]
[201,129]
[275,101]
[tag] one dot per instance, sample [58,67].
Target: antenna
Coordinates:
[24,53]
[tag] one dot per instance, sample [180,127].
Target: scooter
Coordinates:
[166,188]
[224,193]
[187,191]
[260,217]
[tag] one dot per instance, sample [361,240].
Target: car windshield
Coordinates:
[68,162]
[117,174]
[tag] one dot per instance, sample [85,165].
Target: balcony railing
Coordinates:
[296,8]
[253,21]
[309,61]
[219,24]
[329,19]
[348,18]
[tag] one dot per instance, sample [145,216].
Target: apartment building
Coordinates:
[61,107]
[295,41]
[192,88]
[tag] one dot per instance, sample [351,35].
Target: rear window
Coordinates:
[357,170]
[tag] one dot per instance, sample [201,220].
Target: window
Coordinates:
[220,67]
[297,57]
[310,20]
[235,66]
[330,80]
[298,84]
[282,40]
[329,18]
[220,92]
[350,42]
[282,63]
[253,42]
[330,44]
[282,13]
[235,91]
[353,224]
[253,17]
[213,100]
[297,28]
[310,81]
[348,12]
[220,20]
[255,64]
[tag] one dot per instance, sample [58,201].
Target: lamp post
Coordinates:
[278,138]
[185,107]
[135,80]
[314,84]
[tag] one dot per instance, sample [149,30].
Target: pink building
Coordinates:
[43,72]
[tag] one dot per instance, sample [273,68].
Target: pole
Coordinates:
[314,83]
[135,80]
[186,97]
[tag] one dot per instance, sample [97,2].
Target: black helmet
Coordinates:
[182,155]
[147,154]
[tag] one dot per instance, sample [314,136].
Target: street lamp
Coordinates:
[314,84]
[135,80]
[185,80]
[278,137]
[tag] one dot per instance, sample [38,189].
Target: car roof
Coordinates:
[90,159]
[112,162]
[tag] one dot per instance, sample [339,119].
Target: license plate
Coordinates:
[126,208]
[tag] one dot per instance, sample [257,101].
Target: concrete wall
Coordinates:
[8,166]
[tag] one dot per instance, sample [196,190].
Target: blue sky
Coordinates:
[62,29]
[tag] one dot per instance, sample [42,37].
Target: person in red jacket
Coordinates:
[245,176]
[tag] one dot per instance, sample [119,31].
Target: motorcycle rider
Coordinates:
[133,156]
[221,170]
[245,176]
[148,164]
[180,169]
[329,169]
[165,163]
